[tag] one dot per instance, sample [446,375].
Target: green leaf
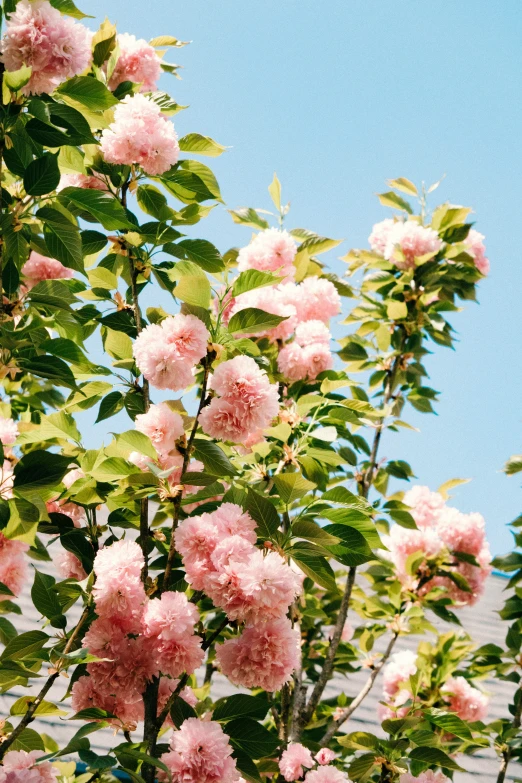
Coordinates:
[251,320]
[202,253]
[311,531]
[46,134]
[274,190]
[92,242]
[194,290]
[247,216]
[434,757]
[352,549]
[264,513]
[314,565]
[68,7]
[153,202]
[62,238]
[23,521]
[396,311]
[24,645]
[292,486]
[104,207]
[39,469]
[44,708]
[213,458]
[74,541]
[513,465]
[239,705]
[15,80]
[450,723]
[201,145]
[28,740]
[110,405]
[49,367]
[252,738]
[45,598]
[89,92]
[133,440]
[391,199]
[42,176]
[251,279]
[404,185]
[7,631]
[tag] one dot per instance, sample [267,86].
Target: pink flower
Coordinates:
[231,520]
[39,267]
[13,568]
[55,46]
[327,774]
[69,566]
[378,239]
[118,592]
[311,333]
[269,251]
[247,401]
[196,538]
[315,299]
[401,666]
[127,705]
[263,656]
[462,532]
[166,352]
[170,617]
[187,335]
[426,505]
[71,510]
[290,362]
[292,761]
[137,62]
[325,756]
[72,476]
[346,634]
[8,431]
[316,359]
[408,240]
[403,542]
[255,590]
[200,753]
[92,182]
[429,776]
[140,135]
[19,766]
[468,702]
[162,425]
[475,247]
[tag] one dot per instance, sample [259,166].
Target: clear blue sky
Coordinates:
[336,96]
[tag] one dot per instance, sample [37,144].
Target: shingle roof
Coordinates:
[481,621]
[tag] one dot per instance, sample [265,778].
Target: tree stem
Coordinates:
[508,752]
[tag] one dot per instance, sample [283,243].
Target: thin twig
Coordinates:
[34,704]
[361,695]
[508,752]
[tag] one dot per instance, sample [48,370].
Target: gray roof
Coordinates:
[481,621]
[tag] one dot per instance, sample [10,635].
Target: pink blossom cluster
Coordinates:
[200,753]
[8,431]
[220,558]
[403,241]
[167,352]
[442,531]
[13,568]
[137,62]
[135,637]
[296,758]
[429,776]
[69,566]
[395,692]
[19,766]
[55,46]
[271,250]
[309,354]
[246,401]
[140,135]
[467,702]
[39,267]
[474,245]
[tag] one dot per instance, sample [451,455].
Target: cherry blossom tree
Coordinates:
[244,524]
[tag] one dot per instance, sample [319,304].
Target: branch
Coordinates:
[508,752]
[366,484]
[365,690]
[33,706]
[186,459]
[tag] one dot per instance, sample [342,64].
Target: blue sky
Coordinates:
[338,95]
